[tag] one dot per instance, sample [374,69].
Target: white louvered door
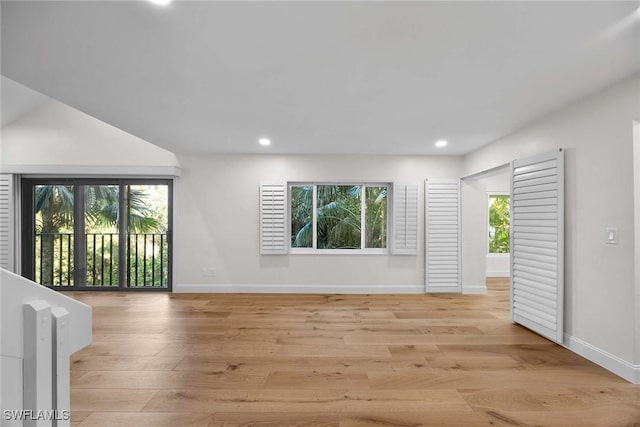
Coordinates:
[537,244]
[6,222]
[442,236]
[405,219]
[273,219]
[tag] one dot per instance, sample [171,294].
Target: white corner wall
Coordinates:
[55,138]
[474,239]
[498,265]
[599,278]
[216,225]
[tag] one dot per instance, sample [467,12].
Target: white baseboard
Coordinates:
[498,273]
[298,289]
[315,289]
[620,367]
[474,289]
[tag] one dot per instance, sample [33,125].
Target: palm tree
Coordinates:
[301,216]
[338,216]
[55,206]
[102,208]
[339,219]
[376,217]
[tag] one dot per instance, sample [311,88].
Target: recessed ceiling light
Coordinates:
[264,141]
[441,143]
[161,2]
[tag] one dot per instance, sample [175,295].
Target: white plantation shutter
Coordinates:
[442,235]
[6,222]
[273,219]
[537,244]
[405,219]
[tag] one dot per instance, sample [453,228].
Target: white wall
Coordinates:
[216,224]
[474,240]
[55,135]
[17,100]
[599,278]
[498,265]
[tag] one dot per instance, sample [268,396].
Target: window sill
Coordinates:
[493,255]
[304,251]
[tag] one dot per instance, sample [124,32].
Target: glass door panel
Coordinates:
[147,210]
[101,226]
[53,240]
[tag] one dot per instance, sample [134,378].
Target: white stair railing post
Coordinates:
[37,362]
[61,376]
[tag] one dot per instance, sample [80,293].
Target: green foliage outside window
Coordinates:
[54,231]
[301,216]
[376,217]
[499,230]
[338,216]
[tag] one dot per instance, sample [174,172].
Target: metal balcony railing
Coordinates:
[146,263]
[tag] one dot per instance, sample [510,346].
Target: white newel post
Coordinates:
[61,376]
[37,362]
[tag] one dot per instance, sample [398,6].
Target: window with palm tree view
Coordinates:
[339,216]
[97,234]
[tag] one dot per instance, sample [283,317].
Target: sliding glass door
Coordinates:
[97,234]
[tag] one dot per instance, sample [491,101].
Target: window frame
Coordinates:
[28,184]
[363,250]
[489,195]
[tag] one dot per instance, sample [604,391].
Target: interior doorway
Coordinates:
[498,234]
[536,228]
[498,258]
[486,219]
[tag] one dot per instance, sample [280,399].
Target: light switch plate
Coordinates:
[612,235]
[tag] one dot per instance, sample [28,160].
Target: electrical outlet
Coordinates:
[208,272]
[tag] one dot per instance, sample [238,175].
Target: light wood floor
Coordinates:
[162,359]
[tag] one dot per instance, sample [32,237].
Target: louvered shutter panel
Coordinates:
[442,235]
[405,219]
[537,244]
[273,219]
[6,222]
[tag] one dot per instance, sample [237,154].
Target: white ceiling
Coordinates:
[319,77]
